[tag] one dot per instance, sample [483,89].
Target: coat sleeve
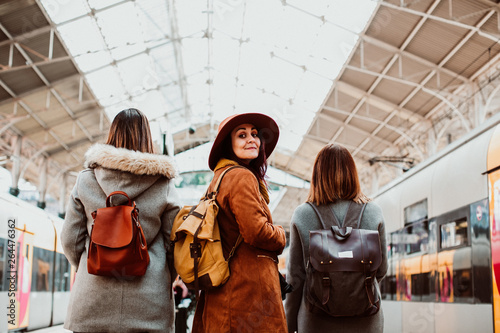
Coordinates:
[170,212]
[167,221]
[376,221]
[296,273]
[382,271]
[74,232]
[245,202]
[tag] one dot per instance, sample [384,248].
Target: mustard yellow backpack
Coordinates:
[198,256]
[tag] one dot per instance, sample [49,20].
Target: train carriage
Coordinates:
[34,273]
[444,240]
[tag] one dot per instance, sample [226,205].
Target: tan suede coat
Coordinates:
[251,299]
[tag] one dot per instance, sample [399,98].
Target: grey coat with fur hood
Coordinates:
[107,304]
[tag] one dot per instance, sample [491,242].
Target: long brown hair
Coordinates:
[130,130]
[335,177]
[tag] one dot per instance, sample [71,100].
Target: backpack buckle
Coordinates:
[326,281]
[195,250]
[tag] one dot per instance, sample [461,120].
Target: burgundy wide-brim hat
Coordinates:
[267,127]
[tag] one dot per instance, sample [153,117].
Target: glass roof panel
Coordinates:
[62,11]
[201,61]
[81,36]
[99,4]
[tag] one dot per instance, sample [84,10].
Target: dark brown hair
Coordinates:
[130,130]
[335,177]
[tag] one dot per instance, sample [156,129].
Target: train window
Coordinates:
[43,260]
[388,287]
[416,212]
[63,271]
[454,234]
[416,237]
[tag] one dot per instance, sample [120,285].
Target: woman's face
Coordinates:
[245,142]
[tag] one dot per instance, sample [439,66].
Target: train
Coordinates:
[443,239]
[35,276]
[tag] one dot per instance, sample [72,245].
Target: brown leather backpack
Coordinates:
[117,244]
[342,266]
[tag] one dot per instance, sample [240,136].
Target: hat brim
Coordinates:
[267,127]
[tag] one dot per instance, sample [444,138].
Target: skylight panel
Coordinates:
[316,7]
[195,55]
[81,36]
[62,11]
[255,63]
[283,78]
[135,73]
[191,17]
[263,21]
[334,44]
[297,37]
[100,4]
[153,16]
[312,91]
[121,30]
[226,54]
[229,16]
[350,14]
[151,103]
[172,95]
[164,63]
[90,61]
[106,85]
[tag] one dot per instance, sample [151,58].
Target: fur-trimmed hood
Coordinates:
[135,162]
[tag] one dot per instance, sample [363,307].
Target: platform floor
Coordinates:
[53,329]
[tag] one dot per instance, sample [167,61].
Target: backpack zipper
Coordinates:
[268,257]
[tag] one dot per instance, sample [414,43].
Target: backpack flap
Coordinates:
[121,218]
[337,249]
[197,220]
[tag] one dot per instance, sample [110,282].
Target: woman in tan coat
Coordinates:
[250,301]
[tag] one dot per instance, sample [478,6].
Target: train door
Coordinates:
[493,170]
[20,271]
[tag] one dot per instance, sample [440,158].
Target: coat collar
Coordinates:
[223,162]
[110,157]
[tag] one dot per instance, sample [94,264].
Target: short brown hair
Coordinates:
[335,177]
[130,130]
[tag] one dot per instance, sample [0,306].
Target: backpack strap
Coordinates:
[219,180]
[353,215]
[325,213]
[196,246]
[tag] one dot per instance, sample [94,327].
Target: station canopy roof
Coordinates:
[374,76]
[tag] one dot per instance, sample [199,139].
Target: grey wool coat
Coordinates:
[108,304]
[298,316]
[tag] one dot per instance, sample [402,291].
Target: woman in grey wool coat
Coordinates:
[335,183]
[125,163]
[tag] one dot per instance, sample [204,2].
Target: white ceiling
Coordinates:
[394,81]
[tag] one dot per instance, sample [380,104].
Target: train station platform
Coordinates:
[53,329]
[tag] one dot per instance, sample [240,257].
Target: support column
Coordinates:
[42,186]
[375,183]
[431,143]
[479,110]
[62,196]
[16,166]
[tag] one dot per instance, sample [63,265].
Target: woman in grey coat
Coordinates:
[334,183]
[125,163]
